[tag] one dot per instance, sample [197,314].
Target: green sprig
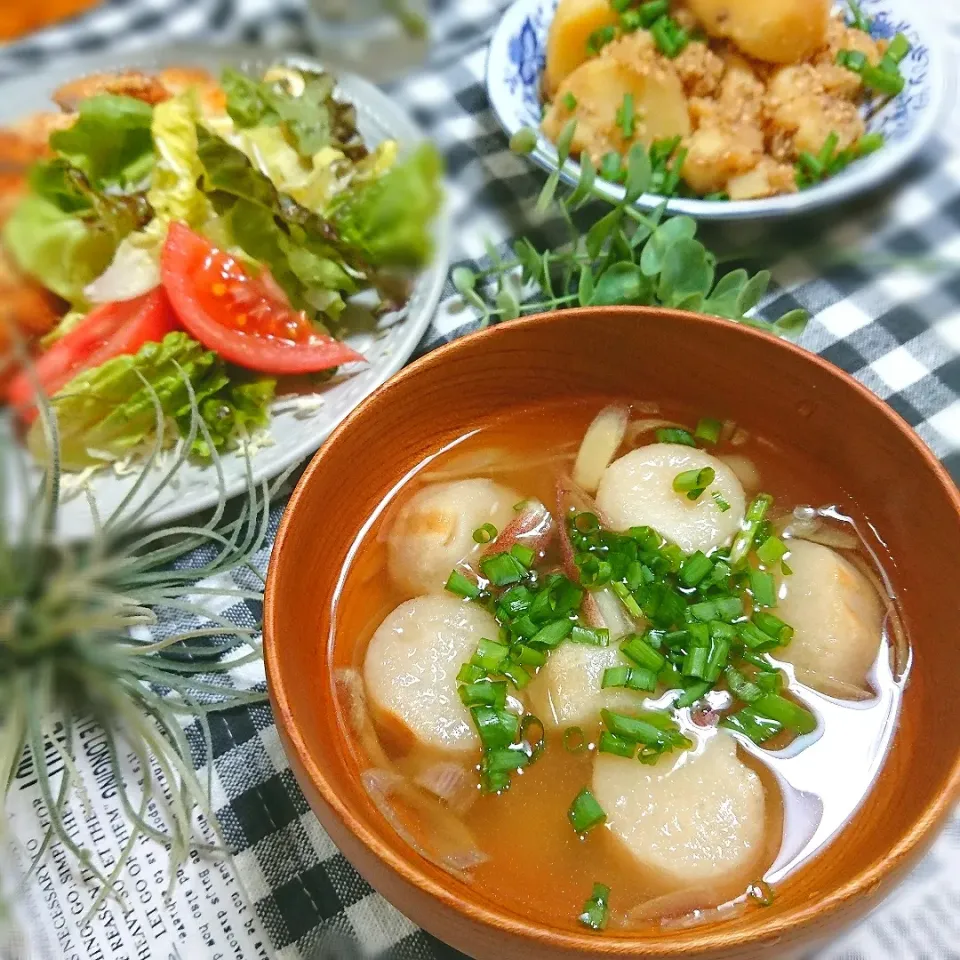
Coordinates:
[626,257]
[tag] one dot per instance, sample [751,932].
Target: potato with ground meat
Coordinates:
[778,31]
[570,30]
[598,88]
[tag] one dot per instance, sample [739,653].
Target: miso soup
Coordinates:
[618,664]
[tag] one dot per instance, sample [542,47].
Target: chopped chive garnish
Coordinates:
[503,760]
[497,728]
[708,430]
[752,637]
[502,569]
[786,712]
[585,813]
[695,567]
[785,568]
[749,722]
[717,658]
[490,655]
[570,101]
[899,47]
[631,678]
[692,694]
[636,649]
[485,534]
[627,599]
[876,78]
[770,682]
[675,435]
[457,583]
[597,908]
[574,740]
[611,743]
[484,693]
[522,554]
[774,627]
[694,482]
[722,504]
[771,550]
[538,745]
[742,688]
[763,587]
[600,38]
[695,663]
[552,634]
[594,637]
[857,17]
[756,513]
[516,674]
[669,36]
[852,59]
[470,673]
[670,677]
[652,11]
[529,657]
[630,21]
[758,660]
[625,116]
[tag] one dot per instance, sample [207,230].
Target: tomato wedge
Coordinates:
[108,331]
[246,319]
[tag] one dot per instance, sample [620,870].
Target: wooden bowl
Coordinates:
[769,386]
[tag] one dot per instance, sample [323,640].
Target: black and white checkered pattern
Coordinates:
[881,278]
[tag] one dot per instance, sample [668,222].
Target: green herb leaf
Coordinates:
[622,283]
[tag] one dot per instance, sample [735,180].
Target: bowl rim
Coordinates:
[867,174]
[681,942]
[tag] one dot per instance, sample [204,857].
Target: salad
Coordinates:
[175,242]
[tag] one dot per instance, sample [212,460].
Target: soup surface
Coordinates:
[617,664]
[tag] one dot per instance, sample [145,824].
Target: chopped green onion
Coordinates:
[502,569]
[696,566]
[529,657]
[490,655]
[747,721]
[615,677]
[756,513]
[694,482]
[770,682]
[857,17]
[773,627]
[514,602]
[630,678]
[627,599]
[636,649]
[722,504]
[484,693]
[620,5]
[785,569]
[675,435]
[497,728]
[470,673]
[899,47]
[485,534]
[652,11]
[524,141]
[574,740]
[599,637]
[597,908]
[695,663]
[708,430]
[585,813]
[717,658]
[504,760]
[869,143]
[743,689]
[599,39]
[652,729]
[669,37]
[552,634]
[611,743]
[754,638]
[539,745]
[646,538]
[570,101]
[457,583]
[625,116]
[516,674]
[692,694]
[673,555]
[522,554]
[880,80]
[630,21]
[851,59]
[763,587]
[786,712]
[586,523]
[771,550]
[761,893]
[758,660]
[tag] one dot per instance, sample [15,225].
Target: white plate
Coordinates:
[515,63]
[295,434]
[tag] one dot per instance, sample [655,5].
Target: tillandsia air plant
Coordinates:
[71,650]
[626,256]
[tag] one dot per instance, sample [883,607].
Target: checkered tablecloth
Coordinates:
[880,277]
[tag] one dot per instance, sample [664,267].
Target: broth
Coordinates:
[535,863]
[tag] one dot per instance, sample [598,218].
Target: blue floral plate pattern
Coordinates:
[516,60]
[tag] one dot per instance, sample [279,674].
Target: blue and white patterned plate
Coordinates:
[516,59]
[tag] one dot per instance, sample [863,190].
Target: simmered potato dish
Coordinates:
[735,99]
